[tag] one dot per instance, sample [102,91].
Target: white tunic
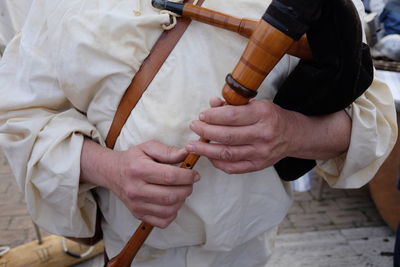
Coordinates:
[12,17]
[62,78]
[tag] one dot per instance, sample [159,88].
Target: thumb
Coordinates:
[216,102]
[163,153]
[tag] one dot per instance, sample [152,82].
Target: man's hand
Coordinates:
[142,178]
[255,136]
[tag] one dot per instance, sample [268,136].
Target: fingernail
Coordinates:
[202,117]
[190,147]
[197,177]
[182,151]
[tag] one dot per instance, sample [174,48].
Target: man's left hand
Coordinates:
[243,138]
[257,135]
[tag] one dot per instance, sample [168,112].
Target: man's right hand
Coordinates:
[142,177]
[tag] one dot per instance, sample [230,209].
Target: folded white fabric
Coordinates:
[12,19]
[389,46]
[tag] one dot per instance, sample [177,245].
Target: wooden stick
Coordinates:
[128,253]
[48,254]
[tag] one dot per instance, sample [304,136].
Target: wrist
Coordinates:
[320,137]
[98,164]
[295,131]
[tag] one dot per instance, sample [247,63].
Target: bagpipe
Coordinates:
[334,70]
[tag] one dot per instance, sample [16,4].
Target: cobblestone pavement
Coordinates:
[341,229]
[331,210]
[352,247]
[16,226]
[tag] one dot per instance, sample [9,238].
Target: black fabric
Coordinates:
[340,72]
[293,17]
[396,256]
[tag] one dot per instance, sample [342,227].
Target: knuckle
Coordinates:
[162,225]
[252,151]
[233,114]
[131,193]
[264,108]
[168,178]
[167,212]
[136,208]
[229,169]
[226,154]
[227,138]
[253,166]
[170,199]
[266,135]
[135,170]
[165,222]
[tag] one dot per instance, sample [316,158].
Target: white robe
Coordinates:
[62,78]
[12,17]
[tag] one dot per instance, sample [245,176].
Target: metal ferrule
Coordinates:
[177,8]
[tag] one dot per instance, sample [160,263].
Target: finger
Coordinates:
[221,152]
[228,135]
[156,221]
[160,211]
[162,174]
[163,195]
[216,102]
[164,153]
[239,167]
[230,115]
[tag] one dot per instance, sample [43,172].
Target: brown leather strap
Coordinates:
[150,67]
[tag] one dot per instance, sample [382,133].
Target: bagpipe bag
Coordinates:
[341,71]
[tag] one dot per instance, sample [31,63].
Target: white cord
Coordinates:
[172,18]
[75,255]
[138,10]
[4,250]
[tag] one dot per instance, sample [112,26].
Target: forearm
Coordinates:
[97,164]
[319,137]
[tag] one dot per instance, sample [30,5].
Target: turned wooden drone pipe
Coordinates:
[243,26]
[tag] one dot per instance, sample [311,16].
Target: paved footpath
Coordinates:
[341,229]
[15,224]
